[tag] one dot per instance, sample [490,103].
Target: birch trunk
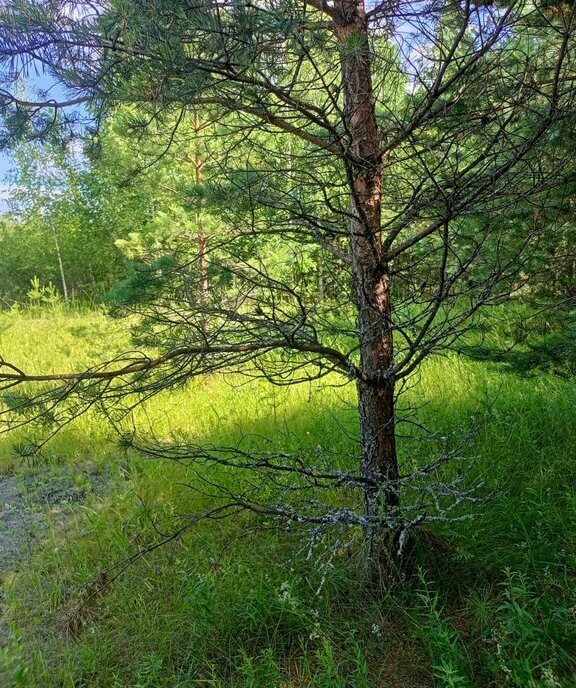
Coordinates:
[60,264]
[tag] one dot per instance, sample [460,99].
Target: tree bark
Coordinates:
[60,264]
[202,254]
[371,275]
[203,261]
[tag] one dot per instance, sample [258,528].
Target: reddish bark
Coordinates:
[202,255]
[372,281]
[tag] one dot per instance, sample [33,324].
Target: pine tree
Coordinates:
[403,139]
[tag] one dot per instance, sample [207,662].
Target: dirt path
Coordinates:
[32,501]
[17,524]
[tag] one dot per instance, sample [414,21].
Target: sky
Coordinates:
[36,82]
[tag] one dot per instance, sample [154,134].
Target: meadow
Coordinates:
[232,605]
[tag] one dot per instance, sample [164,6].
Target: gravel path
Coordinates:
[32,500]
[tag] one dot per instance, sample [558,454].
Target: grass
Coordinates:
[232,605]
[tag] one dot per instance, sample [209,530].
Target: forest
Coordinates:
[287,344]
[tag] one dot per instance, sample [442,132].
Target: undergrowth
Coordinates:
[232,605]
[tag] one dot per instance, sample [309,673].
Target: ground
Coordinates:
[36,499]
[232,606]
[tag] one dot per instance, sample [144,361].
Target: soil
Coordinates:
[30,501]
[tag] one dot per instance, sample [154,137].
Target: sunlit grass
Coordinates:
[234,606]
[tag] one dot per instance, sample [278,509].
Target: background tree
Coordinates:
[78,213]
[58,231]
[408,140]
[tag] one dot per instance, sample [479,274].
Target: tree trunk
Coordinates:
[202,256]
[203,261]
[60,264]
[371,275]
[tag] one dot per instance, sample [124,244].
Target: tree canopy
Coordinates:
[414,153]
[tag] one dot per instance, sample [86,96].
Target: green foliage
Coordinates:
[15,400]
[330,671]
[144,281]
[534,638]
[449,666]
[43,295]
[528,343]
[55,230]
[233,606]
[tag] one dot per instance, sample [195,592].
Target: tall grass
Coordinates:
[232,605]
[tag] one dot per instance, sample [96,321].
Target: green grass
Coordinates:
[231,605]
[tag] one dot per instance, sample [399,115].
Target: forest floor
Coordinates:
[34,501]
[234,606]
[17,524]
[44,497]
